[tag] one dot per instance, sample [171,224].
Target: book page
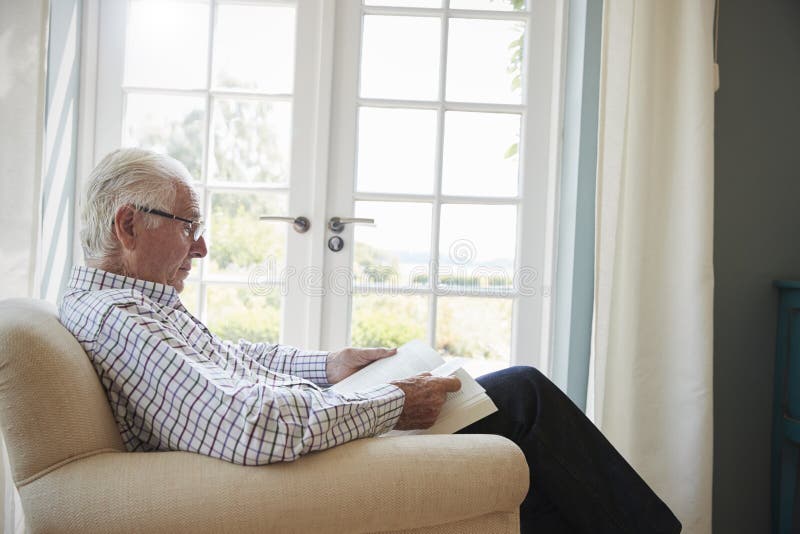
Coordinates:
[462,407]
[469,389]
[413,358]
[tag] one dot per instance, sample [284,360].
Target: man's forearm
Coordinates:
[285,359]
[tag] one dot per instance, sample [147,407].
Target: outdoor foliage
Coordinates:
[374,266]
[238,240]
[475,327]
[236,313]
[388,321]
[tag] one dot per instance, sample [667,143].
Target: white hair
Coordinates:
[127,176]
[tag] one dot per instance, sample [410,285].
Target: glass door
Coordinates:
[445,137]
[231,89]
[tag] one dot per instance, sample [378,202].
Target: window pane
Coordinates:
[404,3]
[475,328]
[477,246]
[238,312]
[169,124]
[483,61]
[240,244]
[395,65]
[167,44]
[396,251]
[396,150]
[388,320]
[252,141]
[254,48]
[480,154]
[489,5]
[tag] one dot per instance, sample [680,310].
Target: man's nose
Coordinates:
[198,248]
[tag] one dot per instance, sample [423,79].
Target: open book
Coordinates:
[462,407]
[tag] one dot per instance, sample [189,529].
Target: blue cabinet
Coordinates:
[786,411]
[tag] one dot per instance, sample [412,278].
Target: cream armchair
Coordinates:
[74,475]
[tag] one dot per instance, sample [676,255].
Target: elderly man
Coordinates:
[174,385]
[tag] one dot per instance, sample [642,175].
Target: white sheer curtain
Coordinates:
[23,39]
[651,386]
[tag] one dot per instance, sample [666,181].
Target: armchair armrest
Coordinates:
[364,486]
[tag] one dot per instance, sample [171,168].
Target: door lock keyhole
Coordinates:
[336,243]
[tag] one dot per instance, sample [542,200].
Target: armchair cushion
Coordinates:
[370,485]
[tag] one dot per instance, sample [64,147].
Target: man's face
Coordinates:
[164,254]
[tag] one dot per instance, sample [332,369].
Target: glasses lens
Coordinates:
[199,230]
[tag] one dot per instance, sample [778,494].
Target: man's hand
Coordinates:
[345,362]
[425,395]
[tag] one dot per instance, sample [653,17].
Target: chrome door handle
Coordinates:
[336,224]
[300,224]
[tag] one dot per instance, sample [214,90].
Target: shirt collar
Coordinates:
[91,279]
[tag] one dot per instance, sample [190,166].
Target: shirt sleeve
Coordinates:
[308,364]
[171,396]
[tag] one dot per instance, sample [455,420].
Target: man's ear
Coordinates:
[124,228]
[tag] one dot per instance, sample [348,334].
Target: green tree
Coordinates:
[246,146]
[180,139]
[240,241]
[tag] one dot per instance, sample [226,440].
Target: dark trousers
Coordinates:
[579,482]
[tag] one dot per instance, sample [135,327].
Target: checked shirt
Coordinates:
[173,385]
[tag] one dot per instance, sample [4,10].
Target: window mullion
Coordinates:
[437,186]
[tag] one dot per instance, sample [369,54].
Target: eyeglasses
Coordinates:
[195,229]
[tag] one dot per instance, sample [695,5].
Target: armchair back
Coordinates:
[52,406]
